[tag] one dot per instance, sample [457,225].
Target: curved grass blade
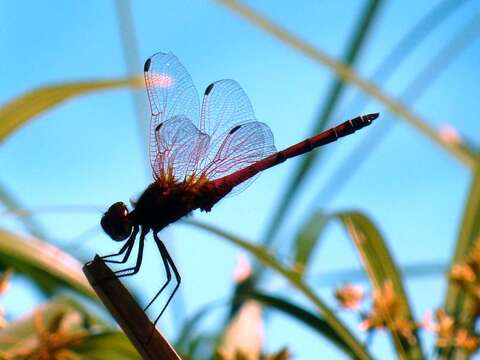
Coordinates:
[307,239]
[107,345]
[50,267]
[305,316]
[413,92]
[366,19]
[425,26]
[188,328]
[462,154]
[380,267]
[459,304]
[295,281]
[32,226]
[25,107]
[128,35]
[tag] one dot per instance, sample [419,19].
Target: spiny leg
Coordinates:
[164,250]
[133,270]
[167,271]
[127,247]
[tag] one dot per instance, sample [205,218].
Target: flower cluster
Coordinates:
[387,310]
[449,333]
[350,296]
[52,339]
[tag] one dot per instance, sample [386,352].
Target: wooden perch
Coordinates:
[127,313]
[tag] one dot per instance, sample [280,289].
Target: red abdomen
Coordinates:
[326,137]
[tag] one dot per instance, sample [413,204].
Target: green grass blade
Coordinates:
[458,303]
[47,265]
[107,345]
[128,35]
[10,202]
[333,96]
[462,154]
[133,62]
[470,227]
[419,85]
[188,327]
[307,239]
[426,25]
[305,316]
[262,255]
[20,110]
[380,266]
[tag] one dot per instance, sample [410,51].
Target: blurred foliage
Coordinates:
[381,269]
[48,266]
[64,328]
[359,35]
[463,154]
[31,104]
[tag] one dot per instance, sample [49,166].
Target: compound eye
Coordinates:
[115,222]
[119,208]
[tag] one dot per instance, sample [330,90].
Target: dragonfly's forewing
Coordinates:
[172,94]
[181,148]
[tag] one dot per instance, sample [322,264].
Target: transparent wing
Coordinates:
[223,139]
[181,147]
[170,88]
[240,147]
[171,93]
[237,140]
[225,105]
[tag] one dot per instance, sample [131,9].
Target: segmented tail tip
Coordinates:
[370,117]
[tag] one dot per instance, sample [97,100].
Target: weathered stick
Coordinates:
[127,313]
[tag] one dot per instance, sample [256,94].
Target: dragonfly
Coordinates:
[199,153]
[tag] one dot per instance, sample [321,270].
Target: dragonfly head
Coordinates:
[116,223]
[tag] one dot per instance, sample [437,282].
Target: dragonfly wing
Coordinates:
[171,93]
[236,138]
[224,106]
[241,146]
[181,147]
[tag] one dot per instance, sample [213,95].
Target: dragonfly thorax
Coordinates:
[164,203]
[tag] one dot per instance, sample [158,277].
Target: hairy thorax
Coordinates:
[163,203]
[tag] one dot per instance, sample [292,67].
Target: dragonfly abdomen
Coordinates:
[326,137]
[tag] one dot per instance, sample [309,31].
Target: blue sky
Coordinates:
[87,151]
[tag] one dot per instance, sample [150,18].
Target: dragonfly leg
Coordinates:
[127,249]
[168,258]
[167,271]
[133,270]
